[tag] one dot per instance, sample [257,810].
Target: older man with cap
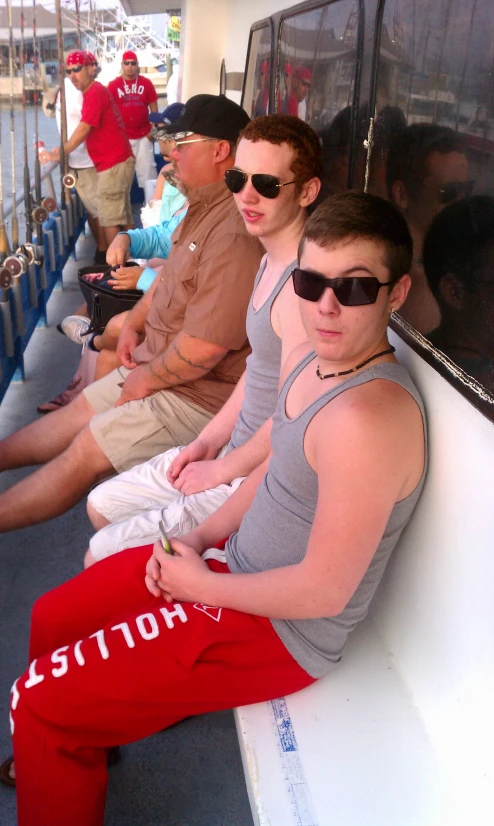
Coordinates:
[183,346]
[107,144]
[135,97]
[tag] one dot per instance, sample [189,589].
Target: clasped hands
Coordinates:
[181,576]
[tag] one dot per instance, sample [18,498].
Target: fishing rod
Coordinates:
[78,23]
[14,224]
[64,166]
[5,276]
[40,211]
[27,174]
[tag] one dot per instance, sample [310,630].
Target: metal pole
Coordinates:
[63,112]
[27,174]
[15,221]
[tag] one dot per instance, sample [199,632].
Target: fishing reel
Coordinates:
[69,180]
[39,214]
[5,277]
[49,203]
[16,264]
[32,254]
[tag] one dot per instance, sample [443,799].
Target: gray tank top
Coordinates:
[275,530]
[263,365]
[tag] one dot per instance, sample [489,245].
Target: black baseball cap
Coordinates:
[214,116]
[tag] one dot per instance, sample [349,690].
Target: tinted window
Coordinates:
[433,155]
[316,77]
[256,91]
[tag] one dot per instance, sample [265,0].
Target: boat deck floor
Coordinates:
[190,775]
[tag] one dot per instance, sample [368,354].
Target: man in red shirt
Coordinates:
[107,144]
[297,100]
[135,97]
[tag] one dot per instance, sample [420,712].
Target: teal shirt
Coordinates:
[155,242]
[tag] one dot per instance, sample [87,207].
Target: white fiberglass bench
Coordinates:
[402,732]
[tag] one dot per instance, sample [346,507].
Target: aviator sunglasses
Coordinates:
[75,69]
[266,185]
[354,291]
[129,62]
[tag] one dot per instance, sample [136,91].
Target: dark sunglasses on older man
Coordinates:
[130,62]
[353,291]
[75,69]
[266,185]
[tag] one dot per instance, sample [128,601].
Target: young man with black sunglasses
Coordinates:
[310,535]
[426,169]
[274,180]
[135,97]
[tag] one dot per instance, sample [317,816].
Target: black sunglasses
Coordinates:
[451,192]
[266,185]
[75,69]
[354,291]
[129,62]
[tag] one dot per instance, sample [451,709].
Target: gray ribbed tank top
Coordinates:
[275,530]
[263,365]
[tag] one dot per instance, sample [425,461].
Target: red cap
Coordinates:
[91,57]
[129,56]
[302,73]
[78,59]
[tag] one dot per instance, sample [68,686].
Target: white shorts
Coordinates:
[145,163]
[135,501]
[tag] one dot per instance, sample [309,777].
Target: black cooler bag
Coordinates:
[103,302]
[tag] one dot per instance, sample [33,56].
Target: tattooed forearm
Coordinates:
[189,362]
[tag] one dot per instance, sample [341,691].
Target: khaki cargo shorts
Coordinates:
[140,429]
[114,194]
[87,188]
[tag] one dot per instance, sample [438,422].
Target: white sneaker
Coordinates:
[74,327]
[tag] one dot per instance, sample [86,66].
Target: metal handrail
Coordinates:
[47,171]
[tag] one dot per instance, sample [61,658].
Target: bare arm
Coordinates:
[360,478]
[158,189]
[186,359]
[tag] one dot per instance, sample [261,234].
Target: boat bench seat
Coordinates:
[401,732]
[350,750]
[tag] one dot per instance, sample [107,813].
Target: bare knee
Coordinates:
[97,520]
[89,457]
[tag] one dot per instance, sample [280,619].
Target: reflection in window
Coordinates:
[459,265]
[316,78]
[256,95]
[433,149]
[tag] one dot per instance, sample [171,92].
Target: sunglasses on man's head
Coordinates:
[130,62]
[353,291]
[266,185]
[75,69]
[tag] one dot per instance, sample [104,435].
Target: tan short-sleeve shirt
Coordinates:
[204,290]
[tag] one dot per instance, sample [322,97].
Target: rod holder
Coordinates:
[8,333]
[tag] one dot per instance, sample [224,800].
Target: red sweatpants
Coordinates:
[111,664]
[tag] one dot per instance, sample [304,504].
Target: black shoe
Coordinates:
[99,257]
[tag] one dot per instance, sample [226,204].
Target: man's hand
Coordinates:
[136,386]
[182,575]
[150,136]
[199,476]
[153,570]
[128,340]
[197,451]
[125,278]
[118,251]
[45,156]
